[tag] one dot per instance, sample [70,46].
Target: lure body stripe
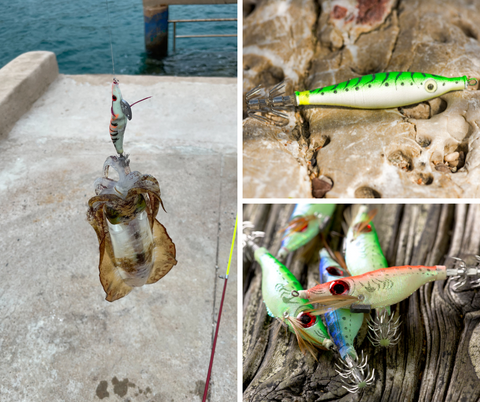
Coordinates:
[382,90]
[384,287]
[277,284]
[295,240]
[118,122]
[342,325]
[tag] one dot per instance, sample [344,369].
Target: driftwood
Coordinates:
[438,356]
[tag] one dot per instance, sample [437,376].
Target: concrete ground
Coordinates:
[59,339]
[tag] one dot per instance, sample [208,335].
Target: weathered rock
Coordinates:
[400,152]
[273,163]
[278,42]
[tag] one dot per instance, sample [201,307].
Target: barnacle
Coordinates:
[135,249]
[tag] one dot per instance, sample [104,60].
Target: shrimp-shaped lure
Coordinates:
[121,111]
[373,91]
[343,327]
[277,285]
[380,288]
[306,222]
[363,254]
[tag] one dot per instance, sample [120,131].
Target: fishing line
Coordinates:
[110,34]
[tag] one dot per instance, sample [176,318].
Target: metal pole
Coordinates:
[174,34]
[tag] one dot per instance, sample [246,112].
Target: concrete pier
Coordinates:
[59,339]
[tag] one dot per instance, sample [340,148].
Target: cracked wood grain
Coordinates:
[438,355]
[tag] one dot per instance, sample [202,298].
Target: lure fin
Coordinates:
[364,226]
[297,225]
[349,215]
[165,253]
[336,256]
[112,282]
[126,109]
[331,303]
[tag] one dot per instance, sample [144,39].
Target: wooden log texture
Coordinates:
[438,356]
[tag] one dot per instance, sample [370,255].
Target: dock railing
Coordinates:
[175,36]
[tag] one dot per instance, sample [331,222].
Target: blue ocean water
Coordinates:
[77,32]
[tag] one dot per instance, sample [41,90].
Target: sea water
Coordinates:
[78,33]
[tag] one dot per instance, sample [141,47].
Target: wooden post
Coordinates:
[156,28]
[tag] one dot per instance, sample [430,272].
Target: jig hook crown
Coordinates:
[384,330]
[249,238]
[272,103]
[355,373]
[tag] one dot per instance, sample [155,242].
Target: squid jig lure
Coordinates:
[363,254]
[306,222]
[373,91]
[277,284]
[381,288]
[343,327]
[121,111]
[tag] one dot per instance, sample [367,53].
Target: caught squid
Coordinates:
[373,91]
[306,222]
[277,284]
[135,249]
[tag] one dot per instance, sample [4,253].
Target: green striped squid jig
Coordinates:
[343,326]
[373,91]
[306,222]
[363,254]
[277,285]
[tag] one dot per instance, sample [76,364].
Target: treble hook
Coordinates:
[272,103]
[355,373]
[384,330]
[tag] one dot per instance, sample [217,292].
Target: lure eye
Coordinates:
[367,229]
[334,271]
[304,228]
[339,288]
[306,319]
[114,98]
[430,85]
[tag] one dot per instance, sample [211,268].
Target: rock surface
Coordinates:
[426,150]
